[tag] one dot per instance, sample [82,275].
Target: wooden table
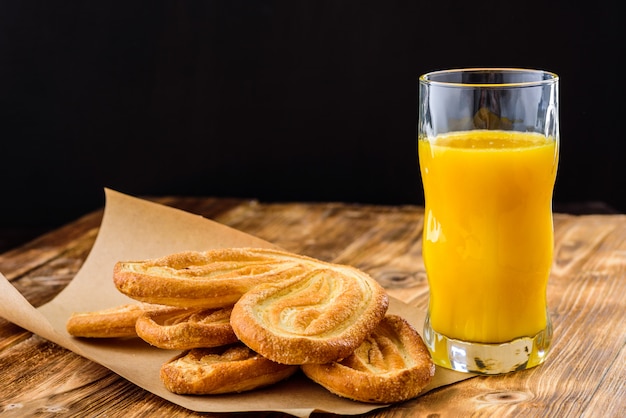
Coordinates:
[583,376]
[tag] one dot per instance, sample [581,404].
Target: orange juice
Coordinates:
[488,232]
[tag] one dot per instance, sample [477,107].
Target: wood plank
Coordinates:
[584,374]
[21,260]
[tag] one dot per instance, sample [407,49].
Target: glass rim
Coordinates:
[547,77]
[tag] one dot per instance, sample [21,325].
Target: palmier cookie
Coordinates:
[391,365]
[210,279]
[322,316]
[118,321]
[225,369]
[186,328]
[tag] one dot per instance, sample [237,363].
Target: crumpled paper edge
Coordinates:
[129,223]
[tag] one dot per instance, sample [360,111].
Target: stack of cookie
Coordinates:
[245,318]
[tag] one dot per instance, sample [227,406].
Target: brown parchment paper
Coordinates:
[134,229]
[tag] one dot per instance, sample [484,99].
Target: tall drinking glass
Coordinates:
[488,145]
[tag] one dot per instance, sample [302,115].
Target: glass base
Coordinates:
[471,357]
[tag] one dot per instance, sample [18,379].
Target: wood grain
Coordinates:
[583,376]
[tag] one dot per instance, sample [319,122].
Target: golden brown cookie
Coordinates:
[186,328]
[317,317]
[226,369]
[210,279]
[391,365]
[118,321]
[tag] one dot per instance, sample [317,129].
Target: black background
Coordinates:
[277,101]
